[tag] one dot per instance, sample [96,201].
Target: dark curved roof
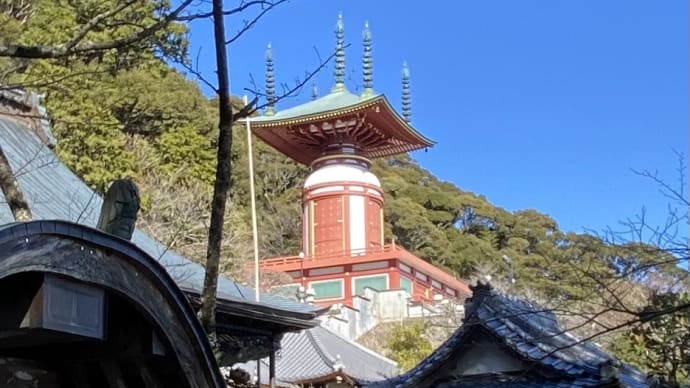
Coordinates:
[556,357]
[18,247]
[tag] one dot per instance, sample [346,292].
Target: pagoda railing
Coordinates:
[284,260]
[386,251]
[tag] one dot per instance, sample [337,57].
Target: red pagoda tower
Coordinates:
[337,136]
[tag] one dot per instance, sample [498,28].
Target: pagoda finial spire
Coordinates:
[270,83]
[406,97]
[367,63]
[314,92]
[339,55]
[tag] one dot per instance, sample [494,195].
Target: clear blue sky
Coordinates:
[533,104]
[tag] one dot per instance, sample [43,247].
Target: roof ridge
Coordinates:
[320,349]
[361,347]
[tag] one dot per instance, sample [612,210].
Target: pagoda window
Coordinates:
[451,291]
[421,277]
[368,266]
[405,268]
[376,282]
[326,271]
[406,284]
[328,289]
[436,285]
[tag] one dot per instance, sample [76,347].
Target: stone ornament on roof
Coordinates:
[338,364]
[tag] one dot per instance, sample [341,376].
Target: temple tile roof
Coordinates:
[388,133]
[494,382]
[318,354]
[54,192]
[554,357]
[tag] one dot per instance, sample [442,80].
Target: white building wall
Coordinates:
[306,223]
[389,305]
[341,172]
[375,307]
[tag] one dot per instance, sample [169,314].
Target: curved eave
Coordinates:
[284,118]
[270,129]
[18,237]
[401,121]
[282,320]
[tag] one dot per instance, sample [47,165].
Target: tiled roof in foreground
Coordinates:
[318,353]
[551,357]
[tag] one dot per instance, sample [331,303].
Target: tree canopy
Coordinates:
[125,112]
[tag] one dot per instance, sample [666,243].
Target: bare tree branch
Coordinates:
[241,8]
[41,158]
[19,10]
[288,92]
[196,72]
[62,50]
[45,83]
[670,192]
[87,27]
[13,194]
[249,24]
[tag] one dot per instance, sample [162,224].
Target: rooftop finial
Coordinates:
[270,83]
[406,97]
[314,92]
[339,55]
[367,63]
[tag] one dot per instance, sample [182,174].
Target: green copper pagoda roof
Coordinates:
[305,131]
[331,103]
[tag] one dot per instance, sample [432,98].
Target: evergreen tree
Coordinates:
[407,346]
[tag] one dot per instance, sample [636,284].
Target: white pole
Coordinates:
[255,233]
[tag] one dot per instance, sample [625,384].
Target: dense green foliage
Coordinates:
[662,344]
[407,346]
[127,113]
[102,103]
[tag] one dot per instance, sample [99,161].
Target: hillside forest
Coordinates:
[130,112]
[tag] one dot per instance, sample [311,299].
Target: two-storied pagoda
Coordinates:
[338,135]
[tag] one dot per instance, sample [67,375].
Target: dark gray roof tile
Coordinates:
[315,353]
[534,334]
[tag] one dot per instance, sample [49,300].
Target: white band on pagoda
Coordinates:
[341,172]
